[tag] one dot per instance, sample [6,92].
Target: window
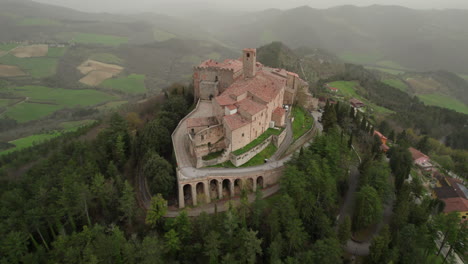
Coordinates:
[202,137]
[193,131]
[248,55]
[242,134]
[464,217]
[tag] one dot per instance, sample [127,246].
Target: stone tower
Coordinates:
[249,61]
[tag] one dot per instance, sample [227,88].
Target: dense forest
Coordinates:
[77,203]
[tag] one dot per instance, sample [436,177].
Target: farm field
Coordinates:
[30,51]
[7,47]
[10,71]
[444,101]
[43,101]
[161,35]
[5,102]
[132,84]
[26,142]
[348,89]
[87,38]
[394,72]
[106,58]
[397,84]
[56,52]
[96,72]
[111,105]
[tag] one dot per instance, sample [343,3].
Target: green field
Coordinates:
[86,38]
[51,100]
[33,21]
[348,89]
[8,47]
[56,52]
[30,141]
[5,102]
[161,35]
[302,122]
[37,67]
[390,64]
[397,84]
[444,101]
[464,76]
[106,58]
[111,105]
[394,72]
[132,84]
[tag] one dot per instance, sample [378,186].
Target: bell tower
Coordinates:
[249,62]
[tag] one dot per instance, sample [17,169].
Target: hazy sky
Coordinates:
[187,5]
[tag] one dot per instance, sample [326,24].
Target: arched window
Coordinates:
[248,55]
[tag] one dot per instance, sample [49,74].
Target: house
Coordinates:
[332,89]
[383,139]
[458,205]
[453,193]
[356,103]
[420,159]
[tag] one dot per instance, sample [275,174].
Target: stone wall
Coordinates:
[245,157]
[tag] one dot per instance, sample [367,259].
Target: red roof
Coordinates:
[333,88]
[416,154]
[250,106]
[355,102]
[231,107]
[235,121]
[279,111]
[455,205]
[379,134]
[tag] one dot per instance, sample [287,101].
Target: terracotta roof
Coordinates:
[293,74]
[231,107]
[235,121]
[250,106]
[445,192]
[455,205]
[279,111]
[379,134]
[201,121]
[416,154]
[333,88]
[355,101]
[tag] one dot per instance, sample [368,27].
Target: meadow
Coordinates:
[43,101]
[397,84]
[38,67]
[441,100]
[106,58]
[7,47]
[132,84]
[88,38]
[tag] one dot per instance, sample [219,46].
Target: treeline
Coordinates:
[437,122]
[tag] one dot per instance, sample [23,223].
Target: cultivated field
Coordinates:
[43,101]
[30,51]
[132,84]
[10,71]
[96,72]
[87,38]
[397,84]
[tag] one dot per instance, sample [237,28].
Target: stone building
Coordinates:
[247,99]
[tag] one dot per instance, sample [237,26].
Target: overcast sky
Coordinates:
[184,5]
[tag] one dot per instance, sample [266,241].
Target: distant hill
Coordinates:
[389,36]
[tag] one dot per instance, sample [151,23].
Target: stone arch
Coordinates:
[200,189]
[188,198]
[227,188]
[260,182]
[214,190]
[249,184]
[237,187]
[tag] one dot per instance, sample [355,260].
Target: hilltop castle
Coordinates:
[247,99]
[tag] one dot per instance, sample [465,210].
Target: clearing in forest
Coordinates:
[30,51]
[96,72]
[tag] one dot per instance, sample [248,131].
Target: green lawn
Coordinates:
[106,58]
[259,159]
[302,122]
[257,141]
[397,84]
[213,155]
[56,52]
[52,100]
[444,101]
[8,47]
[37,67]
[394,72]
[132,84]
[87,38]
[5,102]
[34,21]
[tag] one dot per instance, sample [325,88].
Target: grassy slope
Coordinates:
[444,101]
[88,38]
[347,89]
[53,99]
[132,84]
[259,159]
[38,67]
[302,122]
[397,84]
[8,47]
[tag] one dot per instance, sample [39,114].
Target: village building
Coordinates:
[421,160]
[356,103]
[383,139]
[454,194]
[247,100]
